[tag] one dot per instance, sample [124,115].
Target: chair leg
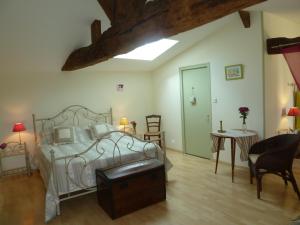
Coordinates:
[294,183]
[283,174]
[258,187]
[259,184]
[159,142]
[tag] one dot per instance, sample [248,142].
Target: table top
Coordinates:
[13,149]
[235,133]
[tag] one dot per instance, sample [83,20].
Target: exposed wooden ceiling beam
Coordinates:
[245,17]
[275,45]
[95,31]
[151,22]
[108,7]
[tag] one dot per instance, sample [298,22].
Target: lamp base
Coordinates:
[20,141]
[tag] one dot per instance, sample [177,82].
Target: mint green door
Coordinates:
[196,109]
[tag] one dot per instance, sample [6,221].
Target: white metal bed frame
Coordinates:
[73,115]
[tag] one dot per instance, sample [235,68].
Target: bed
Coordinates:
[68,169]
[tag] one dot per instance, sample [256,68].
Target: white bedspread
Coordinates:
[82,177]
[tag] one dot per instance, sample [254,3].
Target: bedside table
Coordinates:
[17,154]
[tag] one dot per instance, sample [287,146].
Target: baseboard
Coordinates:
[174,150]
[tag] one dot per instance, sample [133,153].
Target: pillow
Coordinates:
[64,135]
[111,127]
[83,135]
[99,130]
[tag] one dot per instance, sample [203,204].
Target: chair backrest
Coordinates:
[280,151]
[153,123]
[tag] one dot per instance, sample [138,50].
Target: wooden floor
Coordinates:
[195,195]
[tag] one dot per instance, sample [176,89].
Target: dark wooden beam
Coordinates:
[128,10]
[154,20]
[245,17]
[108,7]
[95,31]
[275,45]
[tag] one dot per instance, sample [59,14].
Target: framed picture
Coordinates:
[234,72]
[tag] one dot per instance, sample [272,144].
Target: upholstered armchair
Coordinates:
[274,155]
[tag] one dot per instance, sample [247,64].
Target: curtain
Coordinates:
[297,104]
[292,56]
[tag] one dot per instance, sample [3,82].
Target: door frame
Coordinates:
[181,69]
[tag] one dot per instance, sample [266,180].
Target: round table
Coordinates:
[244,139]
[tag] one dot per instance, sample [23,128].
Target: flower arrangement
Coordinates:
[244,111]
[3,145]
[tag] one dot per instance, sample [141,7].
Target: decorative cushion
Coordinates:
[99,130]
[83,135]
[64,135]
[253,158]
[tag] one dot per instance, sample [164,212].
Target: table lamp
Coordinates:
[19,127]
[124,122]
[294,111]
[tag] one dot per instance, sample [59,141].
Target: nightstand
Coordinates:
[14,159]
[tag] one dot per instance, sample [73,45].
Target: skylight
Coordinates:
[149,51]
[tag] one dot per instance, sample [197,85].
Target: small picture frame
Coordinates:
[120,87]
[234,72]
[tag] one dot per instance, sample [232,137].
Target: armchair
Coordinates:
[274,155]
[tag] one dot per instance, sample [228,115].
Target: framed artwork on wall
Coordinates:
[234,72]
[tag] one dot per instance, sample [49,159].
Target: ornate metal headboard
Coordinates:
[74,115]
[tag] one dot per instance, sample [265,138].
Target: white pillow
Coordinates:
[83,135]
[111,127]
[64,135]
[99,130]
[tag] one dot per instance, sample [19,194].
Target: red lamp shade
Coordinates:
[294,111]
[18,127]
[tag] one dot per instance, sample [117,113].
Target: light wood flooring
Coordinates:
[195,195]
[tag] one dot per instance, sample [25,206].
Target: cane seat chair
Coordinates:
[153,123]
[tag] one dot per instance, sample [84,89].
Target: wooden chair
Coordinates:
[153,128]
[274,155]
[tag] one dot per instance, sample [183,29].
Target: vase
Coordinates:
[244,126]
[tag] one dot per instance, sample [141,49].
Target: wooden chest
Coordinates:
[131,187]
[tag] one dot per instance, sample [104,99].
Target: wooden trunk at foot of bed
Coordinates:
[128,188]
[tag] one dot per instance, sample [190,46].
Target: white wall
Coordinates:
[45,94]
[278,94]
[39,35]
[231,45]
[36,38]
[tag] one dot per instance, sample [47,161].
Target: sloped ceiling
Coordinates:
[289,9]
[39,35]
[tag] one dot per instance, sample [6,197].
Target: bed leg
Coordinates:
[165,154]
[54,174]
